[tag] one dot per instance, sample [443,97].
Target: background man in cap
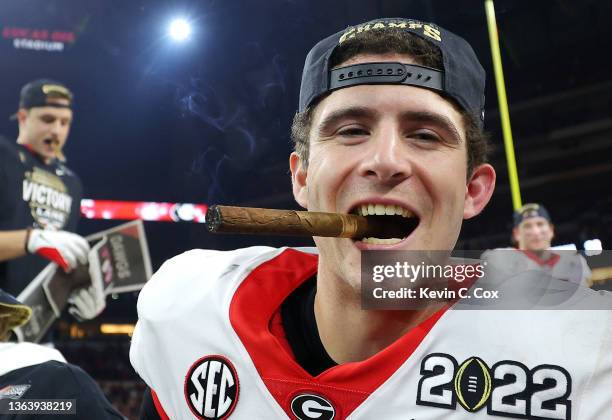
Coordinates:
[532,235]
[40,196]
[33,372]
[389,125]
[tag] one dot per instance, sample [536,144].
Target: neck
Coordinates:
[543,254]
[351,334]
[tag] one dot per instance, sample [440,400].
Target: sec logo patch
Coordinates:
[211,388]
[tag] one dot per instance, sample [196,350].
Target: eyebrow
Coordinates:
[358,112]
[435,119]
[54,116]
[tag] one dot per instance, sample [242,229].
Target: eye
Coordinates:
[425,136]
[353,132]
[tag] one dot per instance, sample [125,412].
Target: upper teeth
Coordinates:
[383,209]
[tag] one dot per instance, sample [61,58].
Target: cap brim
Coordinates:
[18,313]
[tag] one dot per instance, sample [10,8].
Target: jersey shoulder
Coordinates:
[183,305]
[189,278]
[70,381]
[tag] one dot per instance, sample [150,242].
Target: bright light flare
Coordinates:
[179,29]
[593,247]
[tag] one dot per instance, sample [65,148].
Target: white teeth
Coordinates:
[382,209]
[378,241]
[379,210]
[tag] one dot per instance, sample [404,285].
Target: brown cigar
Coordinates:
[227,219]
[59,154]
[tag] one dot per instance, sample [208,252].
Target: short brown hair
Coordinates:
[383,41]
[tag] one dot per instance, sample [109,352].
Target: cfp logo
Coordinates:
[310,406]
[211,388]
[508,388]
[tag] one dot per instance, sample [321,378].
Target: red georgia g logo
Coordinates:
[211,388]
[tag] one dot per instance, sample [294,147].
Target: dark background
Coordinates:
[207,121]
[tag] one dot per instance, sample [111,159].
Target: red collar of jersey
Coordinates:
[551,261]
[346,385]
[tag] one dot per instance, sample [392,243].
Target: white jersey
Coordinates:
[204,345]
[565,265]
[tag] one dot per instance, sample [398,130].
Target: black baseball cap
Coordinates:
[17,312]
[462,77]
[530,210]
[38,92]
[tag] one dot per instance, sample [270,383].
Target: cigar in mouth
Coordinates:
[257,221]
[59,154]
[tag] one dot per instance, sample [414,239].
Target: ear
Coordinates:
[552,231]
[479,190]
[21,116]
[515,235]
[298,180]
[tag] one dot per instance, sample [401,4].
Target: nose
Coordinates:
[56,128]
[534,231]
[385,160]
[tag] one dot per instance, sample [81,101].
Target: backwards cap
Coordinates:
[530,210]
[38,92]
[16,312]
[462,77]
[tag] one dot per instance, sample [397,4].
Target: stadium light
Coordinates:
[117,329]
[179,29]
[593,247]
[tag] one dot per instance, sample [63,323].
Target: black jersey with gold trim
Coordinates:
[36,195]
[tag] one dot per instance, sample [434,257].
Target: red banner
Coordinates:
[144,210]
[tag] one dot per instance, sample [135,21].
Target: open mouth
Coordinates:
[393,223]
[50,143]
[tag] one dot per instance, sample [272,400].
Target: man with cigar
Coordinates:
[30,372]
[40,196]
[389,125]
[532,235]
